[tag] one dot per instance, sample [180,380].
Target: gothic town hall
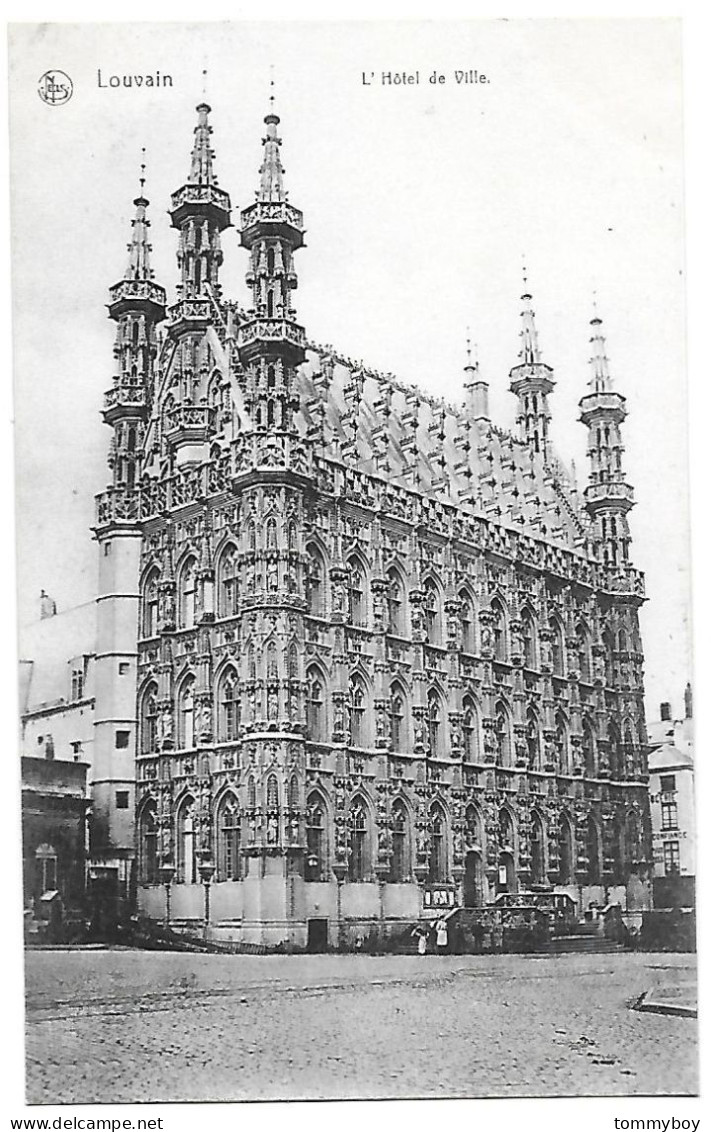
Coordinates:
[362,653]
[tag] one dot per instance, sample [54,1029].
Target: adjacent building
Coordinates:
[361,653]
[58,688]
[671,795]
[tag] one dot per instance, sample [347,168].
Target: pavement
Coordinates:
[119,1026]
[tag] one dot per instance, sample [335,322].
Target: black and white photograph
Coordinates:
[356,719]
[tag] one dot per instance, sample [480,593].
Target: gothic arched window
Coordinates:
[150,605]
[316,864]
[149,720]
[566,863]
[357,605]
[470,730]
[357,712]
[400,860]
[315,707]
[562,743]
[434,722]
[186,715]
[433,612]
[316,583]
[584,653]
[439,871]
[227,583]
[538,850]
[398,735]
[501,651]
[533,740]
[359,841]
[594,851]
[187,591]
[228,706]
[557,647]
[529,639]
[502,732]
[467,619]
[589,749]
[187,844]
[148,843]
[397,620]
[228,839]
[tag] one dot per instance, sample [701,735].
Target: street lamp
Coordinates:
[167,872]
[207,871]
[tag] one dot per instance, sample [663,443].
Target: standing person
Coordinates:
[441,928]
[422,943]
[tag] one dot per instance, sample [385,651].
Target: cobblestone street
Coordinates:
[144,1026]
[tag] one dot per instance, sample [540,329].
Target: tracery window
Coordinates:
[397,622]
[499,630]
[589,749]
[533,740]
[557,648]
[228,728]
[150,605]
[357,608]
[357,712]
[400,860]
[316,855]
[186,715]
[584,653]
[502,734]
[467,620]
[148,844]
[470,730]
[315,708]
[434,722]
[229,837]
[433,613]
[315,583]
[538,851]
[562,743]
[187,588]
[529,639]
[359,838]
[149,720]
[398,736]
[566,864]
[439,872]
[187,872]
[227,583]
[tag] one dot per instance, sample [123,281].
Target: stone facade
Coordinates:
[388,657]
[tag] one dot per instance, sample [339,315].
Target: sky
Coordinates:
[420,202]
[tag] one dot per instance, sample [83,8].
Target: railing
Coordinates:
[200,194]
[275,212]
[141,289]
[272,330]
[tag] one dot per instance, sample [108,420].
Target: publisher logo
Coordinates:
[55,88]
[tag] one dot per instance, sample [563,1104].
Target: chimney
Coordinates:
[48,608]
[665,712]
[688,702]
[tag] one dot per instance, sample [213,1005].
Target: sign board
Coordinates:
[439,898]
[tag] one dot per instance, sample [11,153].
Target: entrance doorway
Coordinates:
[507,874]
[317,936]
[472,883]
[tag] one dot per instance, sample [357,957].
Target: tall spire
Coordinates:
[201,168]
[608,497]
[531,381]
[529,353]
[271,343]
[200,211]
[600,381]
[139,249]
[271,173]
[476,402]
